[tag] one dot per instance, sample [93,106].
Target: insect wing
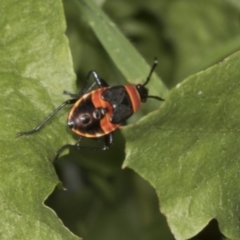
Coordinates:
[118,97]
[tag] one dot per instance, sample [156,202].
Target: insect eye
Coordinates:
[97,114]
[85,118]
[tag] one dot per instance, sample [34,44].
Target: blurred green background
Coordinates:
[104,201]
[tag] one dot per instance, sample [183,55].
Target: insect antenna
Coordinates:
[156,97]
[155,63]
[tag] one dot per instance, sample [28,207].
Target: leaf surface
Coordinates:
[35,67]
[189,151]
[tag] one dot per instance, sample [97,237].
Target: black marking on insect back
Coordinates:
[120,114]
[118,97]
[83,120]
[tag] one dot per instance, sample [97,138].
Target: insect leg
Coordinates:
[97,81]
[108,141]
[66,146]
[70,101]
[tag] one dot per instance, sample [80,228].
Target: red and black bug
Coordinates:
[99,112]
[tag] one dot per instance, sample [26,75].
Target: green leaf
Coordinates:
[35,67]
[189,151]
